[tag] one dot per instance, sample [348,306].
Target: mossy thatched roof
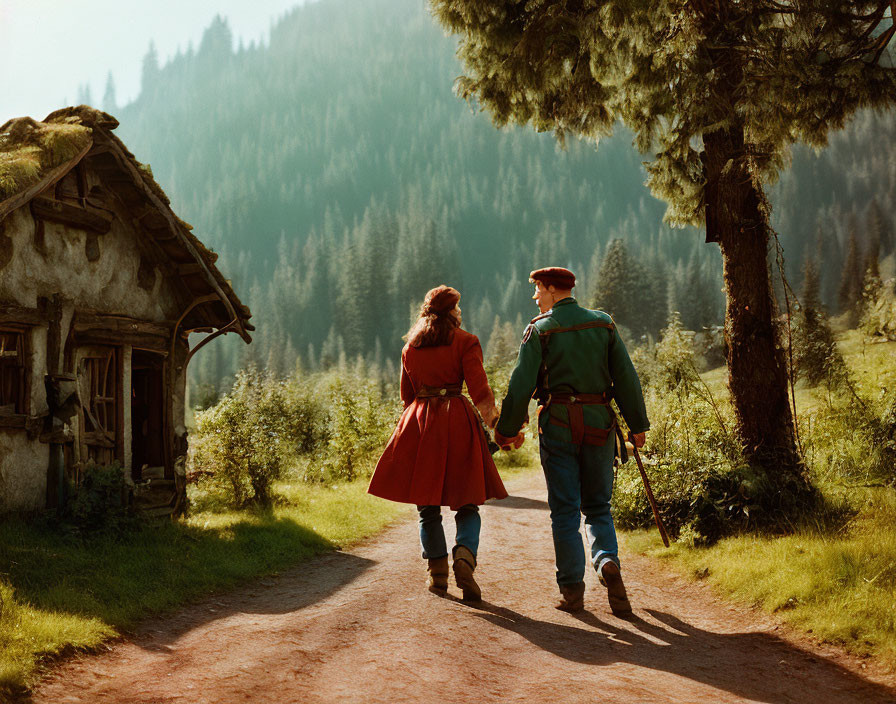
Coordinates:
[30,149]
[34,155]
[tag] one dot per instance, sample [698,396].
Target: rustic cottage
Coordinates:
[100,286]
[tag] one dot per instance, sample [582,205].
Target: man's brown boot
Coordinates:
[438,576]
[610,576]
[464,564]
[572,597]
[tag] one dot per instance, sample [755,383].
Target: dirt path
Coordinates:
[359,626]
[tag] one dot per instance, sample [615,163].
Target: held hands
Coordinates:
[508,444]
[637,440]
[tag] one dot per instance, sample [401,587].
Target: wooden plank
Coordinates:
[98,221]
[189,269]
[91,320]
[16,420]
[13,313]
[52,308]
[153,343]
[152,219]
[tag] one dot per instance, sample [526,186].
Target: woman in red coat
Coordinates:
[438,454]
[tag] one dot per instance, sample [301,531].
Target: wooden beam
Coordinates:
[152,219]
[138,340]
[85,321]
[14,313]
[189,269]
[97,221]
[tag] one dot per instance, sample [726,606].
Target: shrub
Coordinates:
[321,427]
[238,443]
[703,486]
[852,441]
[99,504]
[879,312]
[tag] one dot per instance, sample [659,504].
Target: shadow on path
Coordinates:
[755,666]
[294,589]
[520,502]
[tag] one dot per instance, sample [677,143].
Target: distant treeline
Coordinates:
[340,178]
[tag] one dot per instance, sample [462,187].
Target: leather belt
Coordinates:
[581,433]
[446,391]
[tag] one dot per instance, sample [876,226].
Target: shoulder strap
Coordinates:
[580,326]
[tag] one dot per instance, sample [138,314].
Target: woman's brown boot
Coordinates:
[464,564]
[572,597]
[438,576]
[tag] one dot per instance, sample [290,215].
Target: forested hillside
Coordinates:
[339,177]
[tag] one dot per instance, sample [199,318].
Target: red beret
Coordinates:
[554,276]
[440,299]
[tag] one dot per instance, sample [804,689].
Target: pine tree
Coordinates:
[871,282]
[815,355]
[620,289]
[850,291]
[110,104]
[84,94]
[150,70]
[878,229]
[749,78]
[810,295]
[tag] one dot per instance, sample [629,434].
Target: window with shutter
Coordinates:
[13,372]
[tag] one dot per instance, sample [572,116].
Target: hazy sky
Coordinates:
[50,47]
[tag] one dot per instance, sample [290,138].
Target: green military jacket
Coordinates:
[588,361]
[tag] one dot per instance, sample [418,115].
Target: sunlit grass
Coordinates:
[836,584]
[836,580]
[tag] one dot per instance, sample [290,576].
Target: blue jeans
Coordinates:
[580,481]
[432,537]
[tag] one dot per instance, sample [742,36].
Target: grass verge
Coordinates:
[60,593]
[837,584]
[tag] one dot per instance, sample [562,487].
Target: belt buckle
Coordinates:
[442,392]
[572,399]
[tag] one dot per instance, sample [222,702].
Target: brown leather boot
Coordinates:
[610,576]
[572,597]
[464,564]
[438,576]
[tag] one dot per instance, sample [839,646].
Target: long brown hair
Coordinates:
[436,324]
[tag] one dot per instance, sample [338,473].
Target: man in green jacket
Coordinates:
[574,361]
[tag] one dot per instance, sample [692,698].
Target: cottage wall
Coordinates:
[109,284]
[97,273]
[23,460]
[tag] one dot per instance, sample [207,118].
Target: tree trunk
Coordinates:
[757,369]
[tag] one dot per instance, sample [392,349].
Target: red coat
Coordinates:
[438,454]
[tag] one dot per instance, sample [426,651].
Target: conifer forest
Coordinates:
[340,177]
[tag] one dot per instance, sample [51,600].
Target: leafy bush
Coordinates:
[99,504]
[852,440]
[238,443]
[361,412]
[879,312]
[322,427]
[702,484]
